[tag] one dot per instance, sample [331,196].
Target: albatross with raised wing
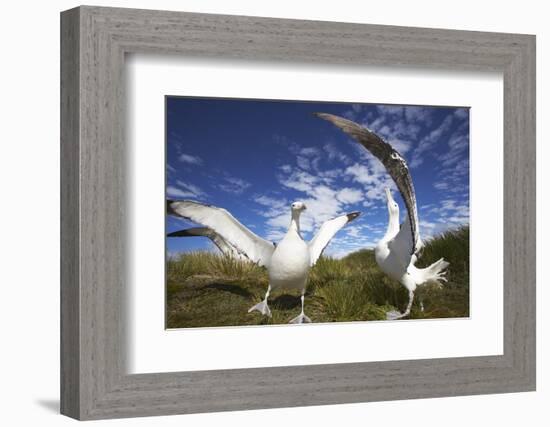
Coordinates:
[397,252]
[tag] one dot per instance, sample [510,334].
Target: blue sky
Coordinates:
[255,157]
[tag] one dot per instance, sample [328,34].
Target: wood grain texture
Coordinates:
[70,314]
[94,381]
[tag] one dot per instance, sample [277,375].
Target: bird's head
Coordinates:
[298,207]
[393,207]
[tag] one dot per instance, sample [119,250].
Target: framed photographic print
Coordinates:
[211,279]
[348,211]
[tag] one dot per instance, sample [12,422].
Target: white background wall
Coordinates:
[29,233]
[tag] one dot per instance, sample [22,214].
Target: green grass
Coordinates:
[206,289]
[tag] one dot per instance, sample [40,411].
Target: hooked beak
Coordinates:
[304,208]
[388,193]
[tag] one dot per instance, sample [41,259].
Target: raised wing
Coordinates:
[326,233]
[225,247]
[394,163]
[255,248]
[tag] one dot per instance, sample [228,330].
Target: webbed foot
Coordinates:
[302,318]
[262,307]
[394,315]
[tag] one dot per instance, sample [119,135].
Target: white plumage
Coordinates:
[393,257]
[287,263]
[397,252]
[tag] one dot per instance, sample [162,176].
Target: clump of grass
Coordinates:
[180,267]
[231,268]
[207,289]
[327,271]
[349,300]
[452,300]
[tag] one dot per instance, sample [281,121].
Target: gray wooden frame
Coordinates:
[94,41]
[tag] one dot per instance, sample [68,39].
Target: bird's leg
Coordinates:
[302,318]
[262,307]
[409,305]
[394,315]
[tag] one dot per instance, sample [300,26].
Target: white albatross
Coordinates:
[397,252]
[393,258]
[287,263]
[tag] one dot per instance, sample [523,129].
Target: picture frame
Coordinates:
[94,42]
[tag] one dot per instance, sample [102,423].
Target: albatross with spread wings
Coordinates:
[287,263]
[397,252]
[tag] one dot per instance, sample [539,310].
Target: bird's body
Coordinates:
[287,263]
[389,264]
[393,258]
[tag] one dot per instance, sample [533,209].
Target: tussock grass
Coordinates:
[207,289]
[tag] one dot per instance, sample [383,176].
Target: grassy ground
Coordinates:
[206,289]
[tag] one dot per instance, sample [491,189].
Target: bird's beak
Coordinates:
[388,193]
[305,207]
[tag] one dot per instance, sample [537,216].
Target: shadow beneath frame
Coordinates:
[51,405]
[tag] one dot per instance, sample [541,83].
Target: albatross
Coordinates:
[399,249]
[287,263]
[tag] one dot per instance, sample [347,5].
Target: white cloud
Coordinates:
[323,201]
[233,185]
[449,213]
[286,168]
[189,159]
[178,192]
[309,152]
[374,178]
[462,113]
[392,110]
[428,141]
[335,154]
[349,195]
[184,189]
[270,201]
[458,143]
[361,174]
[300,181]
[441,185]
[303,162]
[197,191]
[422,116]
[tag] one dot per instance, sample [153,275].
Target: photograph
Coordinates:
[294,212]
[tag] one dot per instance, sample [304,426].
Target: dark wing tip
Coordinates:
[336,120]
[179,233]
[191,232]
[169,209]
[325,116]
[351,216]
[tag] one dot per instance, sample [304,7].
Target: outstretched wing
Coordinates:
[394,163]
[225,247]
[255,248]
[326,233]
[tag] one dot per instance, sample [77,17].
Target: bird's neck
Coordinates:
[393,226]
[295,222]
